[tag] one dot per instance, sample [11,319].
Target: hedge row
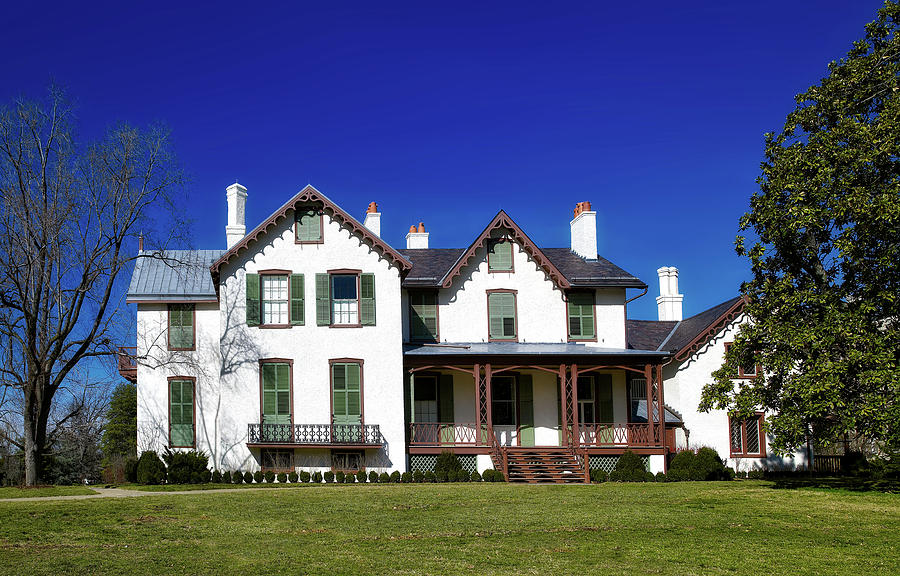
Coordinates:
[704,464]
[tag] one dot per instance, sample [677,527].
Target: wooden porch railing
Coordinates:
[444,434]
[828,464]
[614,435]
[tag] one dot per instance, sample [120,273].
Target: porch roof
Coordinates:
[524,349]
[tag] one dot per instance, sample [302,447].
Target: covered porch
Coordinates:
[507,399]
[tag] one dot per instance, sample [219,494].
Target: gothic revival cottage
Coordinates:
[310,343]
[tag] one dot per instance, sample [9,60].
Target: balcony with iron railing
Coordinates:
[315,435]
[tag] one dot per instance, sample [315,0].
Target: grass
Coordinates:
[15,492]
[210,486]
[685,528]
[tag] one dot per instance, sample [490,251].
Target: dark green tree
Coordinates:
[824,298]
[120,432]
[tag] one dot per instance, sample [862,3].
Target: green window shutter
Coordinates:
[604,395]
[445,399]
[502,315]
[276,384]
[500,258]
[367,299]
[181,325]
[298,291]
[581,315]
[309,226]
[423,316]
[526,410]
[181,413]
[346,402]
[252,299]
[323,300]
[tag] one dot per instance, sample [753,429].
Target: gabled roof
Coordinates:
[173,276]
[685,337]
[430,265]
[502,221]
[581,272]
[309,195]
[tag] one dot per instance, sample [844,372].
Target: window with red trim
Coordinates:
[747,437]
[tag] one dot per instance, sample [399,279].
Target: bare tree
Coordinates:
[69,217]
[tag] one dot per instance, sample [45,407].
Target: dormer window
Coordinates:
[500,256]
[308,226]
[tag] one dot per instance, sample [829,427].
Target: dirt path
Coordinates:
[122,493]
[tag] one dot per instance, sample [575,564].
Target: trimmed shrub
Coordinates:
[629,468]
[418,476]
[258,476]
[304,477]
[189,467]
[339,476]
[446,462]
[708,465]
[217,477]
[150,469]
[317,477]
[429,477]
[406,477]
[475,477]
[384,478]
[488,475]
[661,477]
[756,475]
[462,476]
[131,470]
[350,479]
[440,476]
[269,476]
[248,477]
[293,477]
[237,477]
[729,473]
[395,476]
[282,478]
[599,476]
[361,476]
[226,477]
[373,477]
[681,467]
[329,477]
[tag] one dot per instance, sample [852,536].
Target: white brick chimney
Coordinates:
[417,238]
[237,203]
[373,219]
[584,231]
[669,300]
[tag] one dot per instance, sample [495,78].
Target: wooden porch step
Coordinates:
[543,465]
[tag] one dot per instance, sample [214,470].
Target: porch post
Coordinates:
[562,405]
[661,406]
[648,376]
[476,374]
[412,405]
[573,405]
[487,398]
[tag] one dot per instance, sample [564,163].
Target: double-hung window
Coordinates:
[274,300]
[423,316]
[502,323]
[580,310]
[747,437]
[181,412]
[345,298]
[181,326]
[308,226]
[500,256]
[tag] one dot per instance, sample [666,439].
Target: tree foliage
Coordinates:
[824,299]
[120,432]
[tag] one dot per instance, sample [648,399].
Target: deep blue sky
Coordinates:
[447,112]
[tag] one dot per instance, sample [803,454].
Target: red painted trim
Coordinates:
[290,364]
[515,293]
[593,294]
[193,328]
[762,438]
[331,363]
[347,271]
[502,220]
[711,330]
[193,382]
[309,195]
[274,272]
[741,374]
[455,449]
[296,226]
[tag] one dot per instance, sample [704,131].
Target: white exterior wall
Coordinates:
[683,387]
[228,354]
[540,306]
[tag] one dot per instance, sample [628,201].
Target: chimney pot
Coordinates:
[421,227]
[417,237]
[412,229]
[373,207]
[373,219]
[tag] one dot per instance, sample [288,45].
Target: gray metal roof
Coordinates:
[521,349]
[672,417]
[173,275]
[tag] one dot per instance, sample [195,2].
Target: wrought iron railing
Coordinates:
[358,434]
[614,435]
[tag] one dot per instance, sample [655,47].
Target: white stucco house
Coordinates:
[310,343]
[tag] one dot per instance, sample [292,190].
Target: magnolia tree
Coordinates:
[824,299]
[69,217]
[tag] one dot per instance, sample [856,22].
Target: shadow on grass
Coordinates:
[852,483]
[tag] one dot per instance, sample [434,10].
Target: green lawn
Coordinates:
[14,492]
[687,528]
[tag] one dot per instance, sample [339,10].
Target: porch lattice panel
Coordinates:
[608,463]
[426,462]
